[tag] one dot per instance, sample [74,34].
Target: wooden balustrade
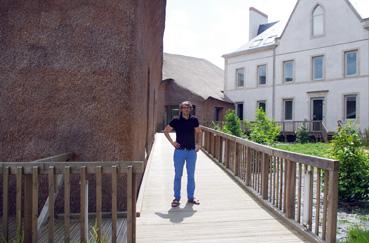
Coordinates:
[302,190]
[27,175]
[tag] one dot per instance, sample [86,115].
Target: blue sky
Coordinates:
[210,28]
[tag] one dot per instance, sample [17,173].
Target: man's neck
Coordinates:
[186,116]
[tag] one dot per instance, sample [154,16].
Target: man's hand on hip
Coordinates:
[198,147]
[176,145]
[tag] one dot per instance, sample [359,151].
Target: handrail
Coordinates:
[324,132]
[283,181]
[30,172]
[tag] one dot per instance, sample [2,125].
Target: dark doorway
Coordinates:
[239,109]
[218,111]
[317,113]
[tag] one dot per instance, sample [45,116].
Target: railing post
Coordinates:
[226,153]
[131,206]
[291,189]
[5,202]
[83,204]
[34,203]
[264,177]
[332,205]
[235,158]
[248,166]
[27,208]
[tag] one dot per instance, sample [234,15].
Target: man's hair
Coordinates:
[185,103]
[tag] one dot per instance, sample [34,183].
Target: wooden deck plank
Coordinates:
[226,213]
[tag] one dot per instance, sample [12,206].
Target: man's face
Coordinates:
[186,109]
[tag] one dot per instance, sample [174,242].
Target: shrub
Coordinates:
[216,125]
[357,234]
[232,124]
[264,130]
[354,164]
[247,127]
[365,137]
[302,134]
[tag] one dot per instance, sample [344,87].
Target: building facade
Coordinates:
[311,67]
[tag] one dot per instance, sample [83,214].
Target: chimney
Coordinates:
[256,18]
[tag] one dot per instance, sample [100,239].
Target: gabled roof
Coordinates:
[269,36]
[196,75]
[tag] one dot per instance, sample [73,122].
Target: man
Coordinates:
[187,144]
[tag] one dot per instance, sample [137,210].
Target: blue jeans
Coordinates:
[180,156]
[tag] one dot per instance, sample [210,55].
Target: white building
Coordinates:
[314,66]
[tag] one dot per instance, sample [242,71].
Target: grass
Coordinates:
[316,149]
[364,218]
[357,234]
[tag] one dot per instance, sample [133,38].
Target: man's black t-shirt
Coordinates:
[185,131]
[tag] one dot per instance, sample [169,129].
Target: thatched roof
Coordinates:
[197,75]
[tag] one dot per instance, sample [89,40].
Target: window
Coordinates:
[288,71]
[318,68]
[239,110]
[288,109]
[350,107]
[218,111]
[261,104]
[351,66]
[240,77]
[318,21]
[262,74]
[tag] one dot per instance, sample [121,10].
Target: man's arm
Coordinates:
[167,130]
[198,138]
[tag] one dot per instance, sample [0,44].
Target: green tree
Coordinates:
[302,134]
[232,124]
[354,164]
[264,130]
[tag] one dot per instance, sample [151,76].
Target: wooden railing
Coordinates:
[27,175]
[302,190]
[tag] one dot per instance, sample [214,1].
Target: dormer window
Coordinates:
[318,21]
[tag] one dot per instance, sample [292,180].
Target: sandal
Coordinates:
[194,201]
[175,203]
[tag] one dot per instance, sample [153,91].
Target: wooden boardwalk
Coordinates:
[226,214]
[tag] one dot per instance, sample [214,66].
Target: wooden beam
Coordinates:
[27,208]
[98,200]
[114,182]
[264,175]
[18,216]
[332,206]
[82,219]
[5,202]
[67,204]
[51,211]
[34,204]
